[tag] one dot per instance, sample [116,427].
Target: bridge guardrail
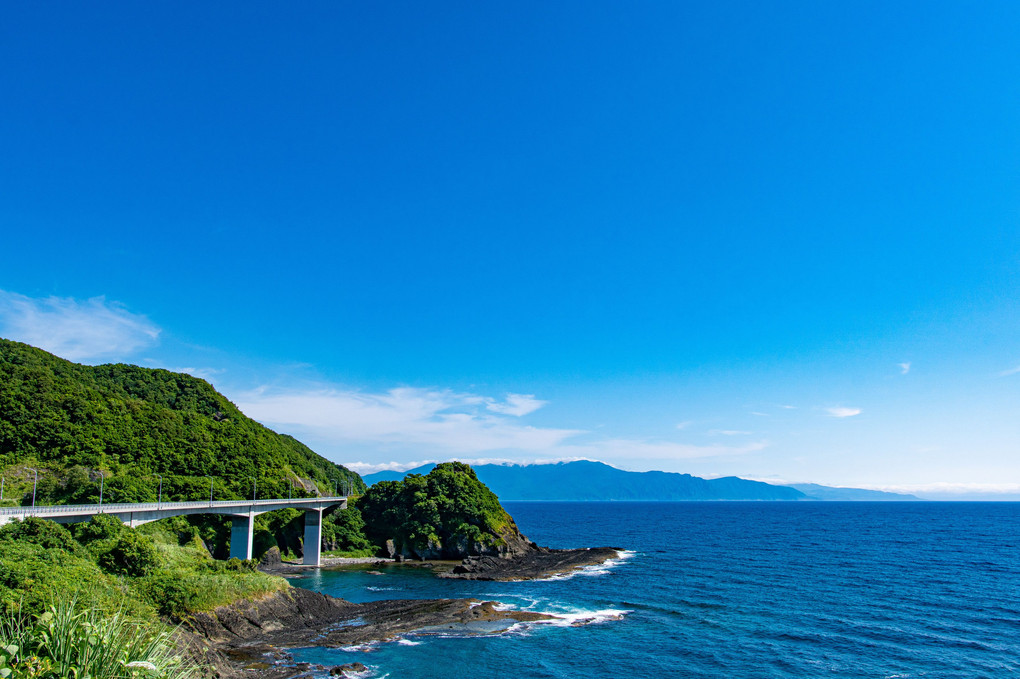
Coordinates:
[157,506]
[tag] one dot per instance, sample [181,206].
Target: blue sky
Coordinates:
[777,241]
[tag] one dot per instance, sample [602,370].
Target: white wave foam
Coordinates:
[370,588]
[408,642]
[581,618]
[362,648]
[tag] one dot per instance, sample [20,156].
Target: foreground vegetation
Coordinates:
[99,595]
[69,640]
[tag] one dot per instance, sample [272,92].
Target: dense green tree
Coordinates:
[48,534]
[437,513]
[122,425]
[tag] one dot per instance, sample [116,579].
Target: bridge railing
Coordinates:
[115,507]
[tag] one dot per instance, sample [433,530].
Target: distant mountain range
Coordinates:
[585,481]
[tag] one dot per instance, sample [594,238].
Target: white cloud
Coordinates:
[372,467]
[758,413]
[201,373]
[840,411]
[728,432]
[1011,371]
[76,330]
[785,407]
[436,420]
[684,424]
[904,367]
[516,405]
[952,488]
[408,424]
[630,449]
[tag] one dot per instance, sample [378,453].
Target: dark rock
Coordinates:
[355,667]
[271,558]
[536,563]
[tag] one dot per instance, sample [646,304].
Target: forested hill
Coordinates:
[74,421]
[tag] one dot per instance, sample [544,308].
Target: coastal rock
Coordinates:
[248,633]
[351,667]
[271,558]
[538,562]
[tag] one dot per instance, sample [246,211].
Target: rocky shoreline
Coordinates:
[251,638]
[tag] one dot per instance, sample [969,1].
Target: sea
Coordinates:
[730,589]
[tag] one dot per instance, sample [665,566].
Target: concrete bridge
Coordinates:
[242,513]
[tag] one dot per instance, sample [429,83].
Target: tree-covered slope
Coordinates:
[448,514]
[74,422]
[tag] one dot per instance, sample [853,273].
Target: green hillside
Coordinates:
[75,423]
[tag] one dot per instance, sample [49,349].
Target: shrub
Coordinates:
[128,554]
[48,534]
[99,527]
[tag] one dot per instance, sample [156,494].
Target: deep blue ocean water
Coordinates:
[734,590]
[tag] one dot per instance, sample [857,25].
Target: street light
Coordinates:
[254,488]
[34,484]
[210,488]
[159,501]
[102,478]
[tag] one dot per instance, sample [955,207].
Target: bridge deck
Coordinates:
[243,514]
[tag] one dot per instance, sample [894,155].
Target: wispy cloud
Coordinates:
[440,424]
[201,373]
[372,467]
[684,424]
[840,411]
[728,432]
[1011,371]
[516,404]
[78,330]
[438,420]
[953,488]
[904,367]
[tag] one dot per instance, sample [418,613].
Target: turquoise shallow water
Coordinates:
[735,590]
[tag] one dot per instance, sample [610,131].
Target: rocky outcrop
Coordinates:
[248,638]
[535,563]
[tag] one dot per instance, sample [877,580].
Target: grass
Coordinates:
[71,640]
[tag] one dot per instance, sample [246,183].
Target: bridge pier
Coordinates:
[242,532]
[312,545]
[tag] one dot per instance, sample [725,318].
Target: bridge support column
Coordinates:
[312,546]
[242,531]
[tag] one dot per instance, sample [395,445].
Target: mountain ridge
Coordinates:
[588,481]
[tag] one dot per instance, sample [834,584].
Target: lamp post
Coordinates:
[102,479]
[34,484]
[1,488]
[254,488]
[336,485]
[159,500]
[210,488]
